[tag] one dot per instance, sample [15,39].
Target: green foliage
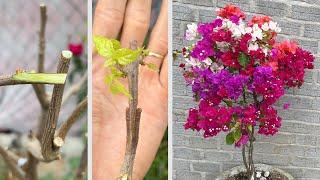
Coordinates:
[159,167]
[230,139]
[152,67]
[70,175]
[116,58]
[243,60]
[237,134]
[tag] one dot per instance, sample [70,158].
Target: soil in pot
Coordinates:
[273,176]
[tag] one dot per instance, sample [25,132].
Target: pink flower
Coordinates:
[286,105]
[76,49]
[242,141]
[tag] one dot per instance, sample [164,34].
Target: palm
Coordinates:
[109,120]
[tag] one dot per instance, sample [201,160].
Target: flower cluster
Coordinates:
[238,71]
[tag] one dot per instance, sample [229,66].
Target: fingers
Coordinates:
[108,19]
[136,22]
[164,73]
[159,37]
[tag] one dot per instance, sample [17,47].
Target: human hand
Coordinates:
[109,127]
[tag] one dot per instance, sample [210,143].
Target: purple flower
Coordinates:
[202,50]
[242,141]
[286,105]
[235,19]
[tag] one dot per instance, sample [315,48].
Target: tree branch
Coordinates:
[17,171]
[65,127]
[74,89]
[48,150]
[40,89]
[133,115]
[83,164]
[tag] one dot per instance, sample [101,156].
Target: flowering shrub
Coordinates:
[237,72]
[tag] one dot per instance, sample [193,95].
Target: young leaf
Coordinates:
[243,60]
[152,67]
[125,56]
[228,102]
[230,138]
[109,62]
[237,134]
[105,47]
[117,88]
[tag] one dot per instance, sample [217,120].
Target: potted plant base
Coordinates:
[263,172]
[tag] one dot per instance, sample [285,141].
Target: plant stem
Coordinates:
[40,89]
[48,149]
[32,78]
[83,164]
[18,173]
[251,164]
[244,158]
[133,115]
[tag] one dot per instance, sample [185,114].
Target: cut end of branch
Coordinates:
[66,54]
[58,142]
[42,4]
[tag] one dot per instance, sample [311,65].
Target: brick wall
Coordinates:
[296,147]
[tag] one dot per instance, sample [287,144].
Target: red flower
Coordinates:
[76,49]
[231,10]
[260,20]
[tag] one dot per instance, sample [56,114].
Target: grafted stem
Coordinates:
[133,114]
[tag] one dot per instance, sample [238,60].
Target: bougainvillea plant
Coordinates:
[238,71]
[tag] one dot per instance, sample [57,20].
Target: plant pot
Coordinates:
[259,167]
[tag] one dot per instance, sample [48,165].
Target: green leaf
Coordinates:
[228,102]
[40,78]
[125,56]
[105,47]
[153,67]
[117,88]
[230,138]
[250,128]
[243,60]
[114,84]
[109,62]
[237,134]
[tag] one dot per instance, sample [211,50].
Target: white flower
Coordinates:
[192,62]
[266,174]
[216,67]
[253,47]
[191,32]
[236,32]
[265,27]
[257,32]
[248,29]
[277,30]
[207,61]
[258,175]
[229,24]
[265,51]
[272,25]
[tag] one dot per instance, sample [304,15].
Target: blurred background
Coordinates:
[66,28]
[159,167]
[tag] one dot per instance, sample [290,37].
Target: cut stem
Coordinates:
[133,115]
[32,78]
